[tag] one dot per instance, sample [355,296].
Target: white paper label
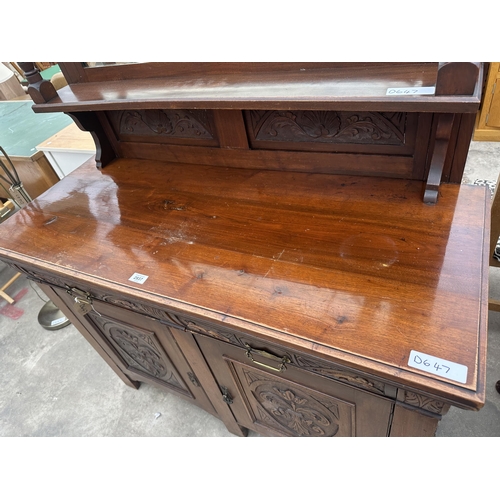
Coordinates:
[411,91]
[438,366]
[58,321]
[138,278]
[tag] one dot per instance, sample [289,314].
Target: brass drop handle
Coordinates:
[282,361]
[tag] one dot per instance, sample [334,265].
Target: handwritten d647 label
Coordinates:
[438,366]
[396,91]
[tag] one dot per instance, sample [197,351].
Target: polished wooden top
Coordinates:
[344,86]
[356,268]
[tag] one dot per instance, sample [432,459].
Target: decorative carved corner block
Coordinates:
[424,402]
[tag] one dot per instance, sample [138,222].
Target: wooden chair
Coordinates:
[7,209]
[4,295]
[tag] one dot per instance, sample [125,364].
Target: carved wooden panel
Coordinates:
[174,126]
[138,349]
[332,371]
[139,307]
[325,128]
[425,402]
[294,410]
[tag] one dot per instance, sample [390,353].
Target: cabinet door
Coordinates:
[292,402]
[143,348]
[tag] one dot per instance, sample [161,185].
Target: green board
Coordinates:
[46,74]
[21,129]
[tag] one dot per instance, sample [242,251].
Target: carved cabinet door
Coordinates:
[143,348]
[292,402]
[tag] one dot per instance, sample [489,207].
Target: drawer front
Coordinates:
[291,402]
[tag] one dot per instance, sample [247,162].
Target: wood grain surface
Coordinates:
[358,87]
[356,266]
[70,139]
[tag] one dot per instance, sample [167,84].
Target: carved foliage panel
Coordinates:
[138,349]
[165,125]
[294,410]
[327,127]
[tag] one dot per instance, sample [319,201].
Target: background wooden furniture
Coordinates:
[494,304]
[488,119]
[10,87]
[3,293]
[68,149]
[21,131]
[7,209]
[256,240]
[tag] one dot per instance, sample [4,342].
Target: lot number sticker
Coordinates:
[411,91]
[438,366]
[138,278]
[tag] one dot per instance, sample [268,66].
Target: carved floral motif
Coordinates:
[138,307]
[137,349]
[192,124]
[217,334]
[338,374]
[329,127]
[298,412]
[424,402]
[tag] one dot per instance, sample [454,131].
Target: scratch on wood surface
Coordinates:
[275,259]
[280,255]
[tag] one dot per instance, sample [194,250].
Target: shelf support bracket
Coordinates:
[89,122]
[442,141]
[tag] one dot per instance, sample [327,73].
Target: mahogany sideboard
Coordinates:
[287,246]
